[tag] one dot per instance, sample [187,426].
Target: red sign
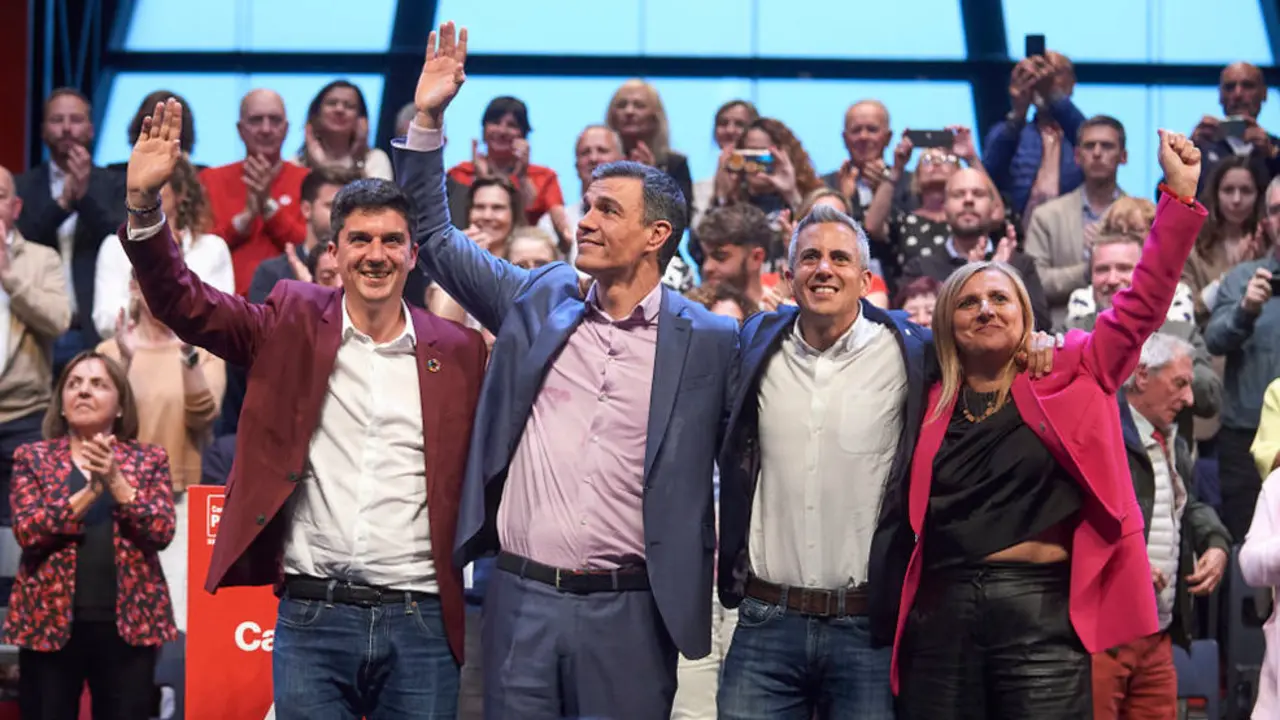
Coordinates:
[229,635]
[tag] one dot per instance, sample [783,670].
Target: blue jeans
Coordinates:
[335,661]
[786,666]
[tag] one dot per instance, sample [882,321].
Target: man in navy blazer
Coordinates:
[822,426]
[591,470]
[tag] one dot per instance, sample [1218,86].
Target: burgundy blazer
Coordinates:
[1074,413]
[40,608]
[289,345]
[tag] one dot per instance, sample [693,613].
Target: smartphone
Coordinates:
[1233,126]
[931,138]
[1275,286]
[1035,45]
[751,161]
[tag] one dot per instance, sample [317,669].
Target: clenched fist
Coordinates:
[1180,161]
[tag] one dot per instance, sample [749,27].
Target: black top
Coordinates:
[994,485]
[95,596]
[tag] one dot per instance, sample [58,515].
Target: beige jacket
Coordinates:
[39,311]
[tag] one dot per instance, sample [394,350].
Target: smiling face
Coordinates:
[596,146]
[1111,270]
[634,114]
[866,132]
[340,109]
[500,136]
[90,399]
[612,235]
[731,123]
[828,279]
[374,254]
[988,319]
[263,124]
[491,211]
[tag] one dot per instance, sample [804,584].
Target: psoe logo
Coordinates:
[250,637]
[213,514]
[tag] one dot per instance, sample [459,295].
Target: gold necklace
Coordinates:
[990,410]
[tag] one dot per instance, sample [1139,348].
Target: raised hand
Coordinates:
[126,337]
[480,161]
[1180,161]
[442,74]
[963,146]
[643,155]
[520,149]
[315,148]
[155,154]
[1008,243]
[299,268]
[100,457]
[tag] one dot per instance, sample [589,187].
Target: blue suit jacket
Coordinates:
[532,314]
[891,546]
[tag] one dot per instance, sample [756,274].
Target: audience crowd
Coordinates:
[95,382]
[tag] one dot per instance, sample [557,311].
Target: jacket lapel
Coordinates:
[668,369]
[1129,428]
[562,321]
[328,338]
[762,347]
[931,435]
[430,393]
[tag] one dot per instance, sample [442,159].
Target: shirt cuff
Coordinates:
[421,139]
[241,223]
[144,233]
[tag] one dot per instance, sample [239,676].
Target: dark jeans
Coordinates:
[335,661]
[786,666]
[120,677]
[992,641]
[1238,477]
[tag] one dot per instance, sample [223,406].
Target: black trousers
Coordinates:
[120,676]
[992,641]
[1238,478]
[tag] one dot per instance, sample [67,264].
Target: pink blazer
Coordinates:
[1074,412]
[1260,565]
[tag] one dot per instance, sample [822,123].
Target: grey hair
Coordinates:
[613,135]
[824,214]
[1158,351]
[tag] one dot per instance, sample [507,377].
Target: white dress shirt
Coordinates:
[206,255]
[830,423]
[66,231]
[361,511]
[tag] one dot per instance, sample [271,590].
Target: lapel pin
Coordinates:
[433,365]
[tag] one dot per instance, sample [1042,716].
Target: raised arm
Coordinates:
[226,325]
[1139,310]
[483,284]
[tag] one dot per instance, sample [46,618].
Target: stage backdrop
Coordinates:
[230,634]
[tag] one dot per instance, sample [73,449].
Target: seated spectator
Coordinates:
[92,508]
[337,134]
[1234,196]
[918,298]
[1266,443]
[318,191]
[867,133]
[635,112]
[322,268]
[186,208]
[494,211]
[597,145]
[1060,233]
[1260,565]
[734,241]
[1242,90]
[731,121]
[531,248]
[784,184]
[970,204]
[254,201]
[505,154]
[1013,147]
[1187,545]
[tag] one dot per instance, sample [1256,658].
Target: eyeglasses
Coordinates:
[935,159]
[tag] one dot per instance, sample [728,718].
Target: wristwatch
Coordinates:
[190,357]
[269,208]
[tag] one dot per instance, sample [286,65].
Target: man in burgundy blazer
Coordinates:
[322,500]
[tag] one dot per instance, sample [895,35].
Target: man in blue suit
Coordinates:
[590,472]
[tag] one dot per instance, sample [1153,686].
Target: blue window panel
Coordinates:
[556,27]
[215,103]
[1144,109]
[814,110]
[262,26]
[1142,31]
[902,29]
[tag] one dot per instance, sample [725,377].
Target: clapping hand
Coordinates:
[299,268]
[99,454]
[1007,244]
[76,183]
[643,155]
[1180,161]
[154,155]
[443,72]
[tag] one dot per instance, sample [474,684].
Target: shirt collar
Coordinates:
[1088,210]
[951,249]
[646,310]
[406,340]
[853,339]
[56,174]
[1146,430]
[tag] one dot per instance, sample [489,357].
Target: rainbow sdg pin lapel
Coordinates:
[433,365]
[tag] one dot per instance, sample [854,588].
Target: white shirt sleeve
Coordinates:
[422,139]
[221,273]
[110,285]
[146,233]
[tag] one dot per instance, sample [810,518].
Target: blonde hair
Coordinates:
[944,340]
[537,234]
[660,143]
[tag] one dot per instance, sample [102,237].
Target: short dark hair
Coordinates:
[709,295]
[63,91]
[923,285]
[367,194]
[148,106]
[663,200]
[319,177]
[317,102]
[1101,121]
[313,259]
[503,105]
[513,197]
[124,427]
[741,224]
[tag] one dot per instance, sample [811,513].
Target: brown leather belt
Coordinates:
[810,601]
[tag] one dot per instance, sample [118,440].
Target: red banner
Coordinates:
[230,634]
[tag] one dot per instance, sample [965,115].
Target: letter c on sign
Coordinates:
[244,629]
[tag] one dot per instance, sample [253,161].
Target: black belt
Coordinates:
[342,592]
[810,601]
[581,582]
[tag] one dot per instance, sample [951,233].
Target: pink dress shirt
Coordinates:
[1260,565]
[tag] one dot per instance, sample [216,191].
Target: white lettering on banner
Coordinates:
[251,637]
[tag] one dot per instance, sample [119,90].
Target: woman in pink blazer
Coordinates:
[1260,564]
[1029,551]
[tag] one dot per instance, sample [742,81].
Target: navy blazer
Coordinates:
[532,314]
[761,337]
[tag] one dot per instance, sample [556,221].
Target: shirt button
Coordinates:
[595,438]
[584,521]
[262,520]
[604,397]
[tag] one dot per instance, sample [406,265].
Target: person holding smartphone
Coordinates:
[1242,90]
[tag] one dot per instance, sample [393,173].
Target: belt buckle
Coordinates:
[807,593]
[557,578]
